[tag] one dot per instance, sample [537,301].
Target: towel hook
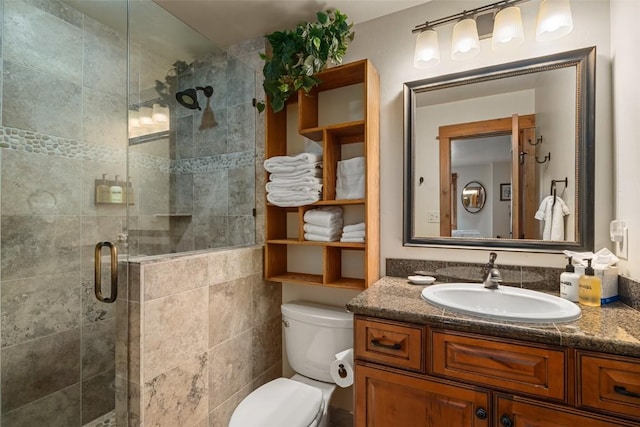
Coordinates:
[538,141]
[546,159]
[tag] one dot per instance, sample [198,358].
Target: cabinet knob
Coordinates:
[505,421]
[481,413]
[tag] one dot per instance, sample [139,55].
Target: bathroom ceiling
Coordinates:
[226,22]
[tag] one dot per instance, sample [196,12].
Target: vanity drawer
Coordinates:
[390,343]
[609,383]
[505,365]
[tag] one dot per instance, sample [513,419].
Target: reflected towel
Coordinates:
[553,217]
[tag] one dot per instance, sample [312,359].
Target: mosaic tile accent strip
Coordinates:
[35,142]
[38,143]
[218,161]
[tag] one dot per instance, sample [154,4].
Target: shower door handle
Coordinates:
[98,272]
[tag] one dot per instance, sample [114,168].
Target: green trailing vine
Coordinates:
[300,53]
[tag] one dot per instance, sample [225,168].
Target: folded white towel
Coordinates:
[333,231]
[325,216]
[353,227]
[350,179]
[295,160]
[311,171]
[283,186]
[279,168]
[352,239]
[350,234]
[319,238]
[353,166]
[293,198]
[278,178]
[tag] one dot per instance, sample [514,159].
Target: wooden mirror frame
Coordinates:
[584,62]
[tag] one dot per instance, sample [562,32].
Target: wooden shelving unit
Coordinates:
[284,226]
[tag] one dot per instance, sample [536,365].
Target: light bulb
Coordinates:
[464,41]
[427,52]
[554,20]
[507,29]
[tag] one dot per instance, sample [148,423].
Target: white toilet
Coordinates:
[313,334]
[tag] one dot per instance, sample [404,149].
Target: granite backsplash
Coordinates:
[537,278]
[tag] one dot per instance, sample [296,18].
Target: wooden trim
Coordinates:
[501,126]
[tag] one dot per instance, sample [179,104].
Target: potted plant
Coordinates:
[300,53]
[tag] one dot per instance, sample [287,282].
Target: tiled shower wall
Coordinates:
[204,332]
[208,180]
[63,122]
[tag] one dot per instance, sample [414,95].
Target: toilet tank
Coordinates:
[313,334]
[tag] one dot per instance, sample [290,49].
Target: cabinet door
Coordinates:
[522,413]
[390,399]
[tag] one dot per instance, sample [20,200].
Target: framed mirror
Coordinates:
[526,130]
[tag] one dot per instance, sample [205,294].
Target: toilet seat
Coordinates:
[281,402]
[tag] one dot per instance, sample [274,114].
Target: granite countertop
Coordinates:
[613,328]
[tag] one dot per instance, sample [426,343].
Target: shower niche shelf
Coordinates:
[325,115]
[127,194]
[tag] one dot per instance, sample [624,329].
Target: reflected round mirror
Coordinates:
[473,197]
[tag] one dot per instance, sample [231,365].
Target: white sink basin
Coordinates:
[504,303]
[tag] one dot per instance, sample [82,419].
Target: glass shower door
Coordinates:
[64,126]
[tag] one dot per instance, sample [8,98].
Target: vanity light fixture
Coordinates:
[465,43]
[507,29]
[148,119]
[427,49]
[554,21]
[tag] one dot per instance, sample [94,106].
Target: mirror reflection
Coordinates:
[473,196]
[516,130]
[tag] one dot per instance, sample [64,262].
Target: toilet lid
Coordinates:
[281,402]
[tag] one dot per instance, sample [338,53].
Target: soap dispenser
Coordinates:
[103,192]
[116,192]
[590,287]
[569,282]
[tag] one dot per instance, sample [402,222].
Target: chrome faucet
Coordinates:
[491,274]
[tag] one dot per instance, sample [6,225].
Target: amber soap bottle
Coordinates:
[589,287]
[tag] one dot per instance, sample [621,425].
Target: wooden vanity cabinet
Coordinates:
[511,411]
[416,375]
[387,397]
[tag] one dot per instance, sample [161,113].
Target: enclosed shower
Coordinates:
[96,147]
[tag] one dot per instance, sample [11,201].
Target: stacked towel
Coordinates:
[350,179]
[353,233]
[323,224]
[294,180]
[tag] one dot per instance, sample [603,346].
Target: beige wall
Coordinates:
[204,332]
[389,44]
[625,37]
